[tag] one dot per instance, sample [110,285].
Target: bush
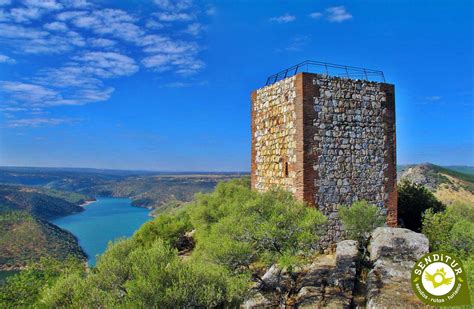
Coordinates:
[413,201]
[239,228]
[24,288]
[451,230]
[134,276]
[168,227]
[237,231]
[360,220]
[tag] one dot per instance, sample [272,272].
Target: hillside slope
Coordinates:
[449,186]
[42,203]
[24,239]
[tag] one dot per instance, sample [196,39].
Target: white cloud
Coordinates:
[182,64]
[174,5]
[297,43]
[18,32]
[170,17]
[152,24]
[38,122]
[108,64]
[30,93]
[162,44]
[90,37]
[25,15]
[316,15]
[100,42]
[116,23]
[433,98]
[44,4]
[56,26]
[284,19]
[6,59]
[195,29]
[338,14]
[64,16]
[211,11]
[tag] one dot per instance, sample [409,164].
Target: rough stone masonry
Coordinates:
[328,140]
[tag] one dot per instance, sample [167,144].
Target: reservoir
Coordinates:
[102,221]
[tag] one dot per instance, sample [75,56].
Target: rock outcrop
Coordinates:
[331,281]
[393,252]
[327,282]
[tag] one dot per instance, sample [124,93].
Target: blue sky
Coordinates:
[165,85]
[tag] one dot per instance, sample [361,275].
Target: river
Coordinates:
[102,221]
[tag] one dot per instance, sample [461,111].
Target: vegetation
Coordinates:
[41,203]
[413,201]
[449,185]
[360,220]
[146,189]
[23,289]
[238,234]
[453,231]
[24,239]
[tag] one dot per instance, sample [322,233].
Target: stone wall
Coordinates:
[338,136]
[274,136]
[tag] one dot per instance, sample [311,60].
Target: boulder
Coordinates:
[257,301]
[276,279]
[397,244]
[393,252]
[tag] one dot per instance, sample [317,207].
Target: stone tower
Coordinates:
[329,140]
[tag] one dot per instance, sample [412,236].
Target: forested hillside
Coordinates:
[25,239]
[39,202]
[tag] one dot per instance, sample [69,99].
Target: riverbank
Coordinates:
[88,203]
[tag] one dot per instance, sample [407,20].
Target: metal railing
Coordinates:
[329,69]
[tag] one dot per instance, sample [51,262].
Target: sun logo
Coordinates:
[438,278]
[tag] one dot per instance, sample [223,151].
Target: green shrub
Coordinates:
[128,275]
[24,288]
[413,201]
[360,219]
[237,227]
[168,227]
[451,230]
[237,231]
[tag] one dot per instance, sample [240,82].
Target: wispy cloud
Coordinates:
[92,38]
[38,122]
[316,15]
[284,19]
[338,14]
[6,59]
[297,43]
[433,98]
[171,17]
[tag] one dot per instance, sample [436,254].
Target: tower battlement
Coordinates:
[329,140]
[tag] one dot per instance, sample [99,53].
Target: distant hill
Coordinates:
[42,203]
[147,189]
[449,185]
[24,238]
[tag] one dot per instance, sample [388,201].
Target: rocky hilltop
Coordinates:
[348,278]
[448,185]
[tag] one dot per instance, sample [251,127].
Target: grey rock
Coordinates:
[397,244]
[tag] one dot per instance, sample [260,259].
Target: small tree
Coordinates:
[360,219]
[413,201]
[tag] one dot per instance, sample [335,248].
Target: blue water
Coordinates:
[102,221]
